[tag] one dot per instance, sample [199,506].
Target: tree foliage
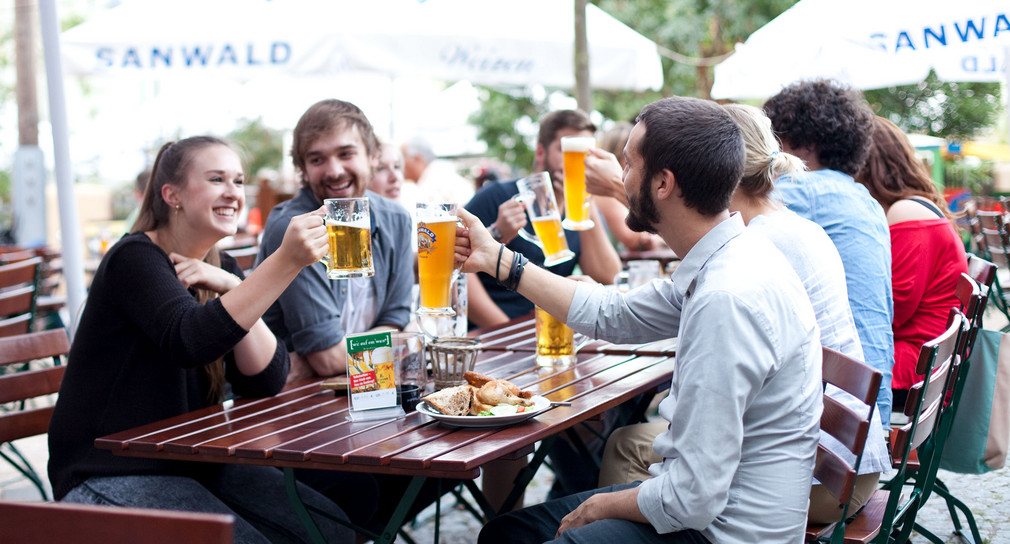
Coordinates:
[697,28]
[694,28]
[956,111]
[504,122]
[261,146]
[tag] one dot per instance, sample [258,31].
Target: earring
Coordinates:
[176,206]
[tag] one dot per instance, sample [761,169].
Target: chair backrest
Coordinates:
[244,256]
[982,271]
[971,297]
[925,399]
[24,385]
[846,425]
[93,524]
[18,286]
[9,257]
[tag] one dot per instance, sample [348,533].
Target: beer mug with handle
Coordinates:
[349,228]
[574,150]
[436,246]
[537,195]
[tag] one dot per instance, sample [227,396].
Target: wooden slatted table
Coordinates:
[307,427]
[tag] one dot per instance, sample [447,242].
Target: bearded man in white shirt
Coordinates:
[745,398]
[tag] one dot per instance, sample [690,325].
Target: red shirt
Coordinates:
[927,258]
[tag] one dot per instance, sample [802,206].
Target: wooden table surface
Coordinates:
[307,427]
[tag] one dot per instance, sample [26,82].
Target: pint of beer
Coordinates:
[555,341]
[574,150]
[537,195]
[436,242]
[349,228]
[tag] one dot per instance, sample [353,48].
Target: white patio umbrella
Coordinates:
[488,42]
[870,44]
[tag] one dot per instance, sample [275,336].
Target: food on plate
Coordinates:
[451,401]
[480,396]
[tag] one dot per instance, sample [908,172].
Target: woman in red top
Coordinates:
[927,255]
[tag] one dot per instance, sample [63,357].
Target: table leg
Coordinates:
[523,479]
[389,534]
[392,527]
[299,506]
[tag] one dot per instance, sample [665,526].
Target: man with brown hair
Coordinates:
[335,150]
[504,217]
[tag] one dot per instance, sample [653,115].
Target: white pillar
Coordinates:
[73,261]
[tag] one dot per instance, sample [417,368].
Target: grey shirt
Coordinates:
[745,398]
[307,315]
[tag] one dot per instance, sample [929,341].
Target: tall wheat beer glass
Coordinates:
[436,241]
[349,228]
[574,149]
[555,340]
[537,194]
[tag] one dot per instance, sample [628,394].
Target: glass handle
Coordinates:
[532,238]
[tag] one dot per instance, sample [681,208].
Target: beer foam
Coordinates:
[580,144]
[443,219]
[360,223]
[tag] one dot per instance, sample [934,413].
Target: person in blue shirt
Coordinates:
[830,127]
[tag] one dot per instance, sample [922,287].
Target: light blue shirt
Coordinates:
[745,397]
[856,223]
[814,258]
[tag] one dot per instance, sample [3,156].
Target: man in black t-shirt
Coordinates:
[490,303]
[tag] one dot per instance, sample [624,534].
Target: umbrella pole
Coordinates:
[73,264]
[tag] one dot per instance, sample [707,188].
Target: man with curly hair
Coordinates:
[830,127]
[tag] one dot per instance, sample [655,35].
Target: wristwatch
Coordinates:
[495,233]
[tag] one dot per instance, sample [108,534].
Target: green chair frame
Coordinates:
[937,360]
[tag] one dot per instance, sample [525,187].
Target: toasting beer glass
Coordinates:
[555,340]
[537,195]
[574,150]
[349,228]
[436,242]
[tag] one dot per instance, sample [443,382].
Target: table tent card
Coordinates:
[371,377]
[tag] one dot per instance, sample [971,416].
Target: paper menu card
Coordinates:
[371,376]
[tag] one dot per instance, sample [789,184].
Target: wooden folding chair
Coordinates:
[31,522]
[18,290]
[913,445]
[851,429]
[995,238]
[972,301]
[18,388]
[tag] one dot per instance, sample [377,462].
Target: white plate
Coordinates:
[539,405]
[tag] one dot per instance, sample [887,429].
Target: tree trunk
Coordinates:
[27,94]
[583,91]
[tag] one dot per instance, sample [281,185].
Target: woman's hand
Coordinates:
[305,240]
[475,247]
[197,273]
[604,175]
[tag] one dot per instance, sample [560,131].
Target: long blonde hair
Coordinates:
[764,161]
[170,168]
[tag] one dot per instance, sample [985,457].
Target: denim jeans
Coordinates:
[254,495]
[540,523]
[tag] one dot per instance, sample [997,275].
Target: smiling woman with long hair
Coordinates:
[168,326]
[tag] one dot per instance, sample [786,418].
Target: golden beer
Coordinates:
[555,340]
[350,251]
[549,232]
[574,150]
[436,242]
